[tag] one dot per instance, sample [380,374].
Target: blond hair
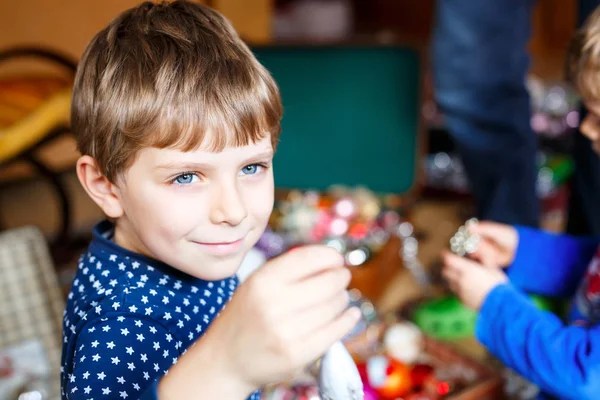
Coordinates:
[583,59]
[163,75]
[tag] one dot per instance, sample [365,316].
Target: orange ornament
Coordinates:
[390,378]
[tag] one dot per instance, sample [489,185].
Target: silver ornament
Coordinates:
[339,378]
[463,242]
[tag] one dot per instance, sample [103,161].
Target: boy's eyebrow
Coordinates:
[190,165]
[265,154]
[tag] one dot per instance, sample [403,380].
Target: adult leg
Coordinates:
[480,62]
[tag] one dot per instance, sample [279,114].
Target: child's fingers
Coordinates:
[304,262]
[320,288]
[454,262]
[306,322]
[487,254]
[459,265]
[493,231]
[450,274]
[319,341]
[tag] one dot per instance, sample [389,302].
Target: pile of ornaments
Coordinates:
[400,368]
[354,221]
[403,369]
[392,361]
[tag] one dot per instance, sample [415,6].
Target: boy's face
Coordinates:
[198,211]
[590,126]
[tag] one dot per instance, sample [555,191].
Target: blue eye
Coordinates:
[251,169]
[185,179]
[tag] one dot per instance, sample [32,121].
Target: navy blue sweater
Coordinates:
[128,319]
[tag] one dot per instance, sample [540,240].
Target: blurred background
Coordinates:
[359,90]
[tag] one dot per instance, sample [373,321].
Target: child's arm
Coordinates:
[564,361]
[284,317]
[548,263]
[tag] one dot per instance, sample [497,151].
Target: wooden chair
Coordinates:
[34,111]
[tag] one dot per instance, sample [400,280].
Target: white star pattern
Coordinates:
[148,303]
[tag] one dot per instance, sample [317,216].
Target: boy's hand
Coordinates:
[285,316]
[498,243]
[471,282]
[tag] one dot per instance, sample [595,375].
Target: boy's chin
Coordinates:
[215,269]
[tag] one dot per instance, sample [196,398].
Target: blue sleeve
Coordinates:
[561,360]
[120,357]
[550,264]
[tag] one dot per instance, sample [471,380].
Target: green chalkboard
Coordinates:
[350,116]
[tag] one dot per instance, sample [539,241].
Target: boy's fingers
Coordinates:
[460,264]
[321,287]
[487,254]
[493,231]
[318,342]
[304,262]
[313,319]
[450,273]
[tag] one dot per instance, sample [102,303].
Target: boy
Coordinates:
[563,359]
[177,123]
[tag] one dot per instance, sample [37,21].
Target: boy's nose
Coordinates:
[228,206]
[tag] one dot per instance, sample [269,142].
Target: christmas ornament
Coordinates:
[403,341]
[463,242]
[390,378]
[338,375]
[445,318]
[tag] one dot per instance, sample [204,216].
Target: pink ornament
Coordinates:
[345,208]
[369,393]
[338,227]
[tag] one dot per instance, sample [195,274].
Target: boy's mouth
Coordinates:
[222,248]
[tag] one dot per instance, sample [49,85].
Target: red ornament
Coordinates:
[443,388]
[390,378]
[420,373]
[358,231]
[324,203]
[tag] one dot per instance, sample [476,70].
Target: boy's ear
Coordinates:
[98,187]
